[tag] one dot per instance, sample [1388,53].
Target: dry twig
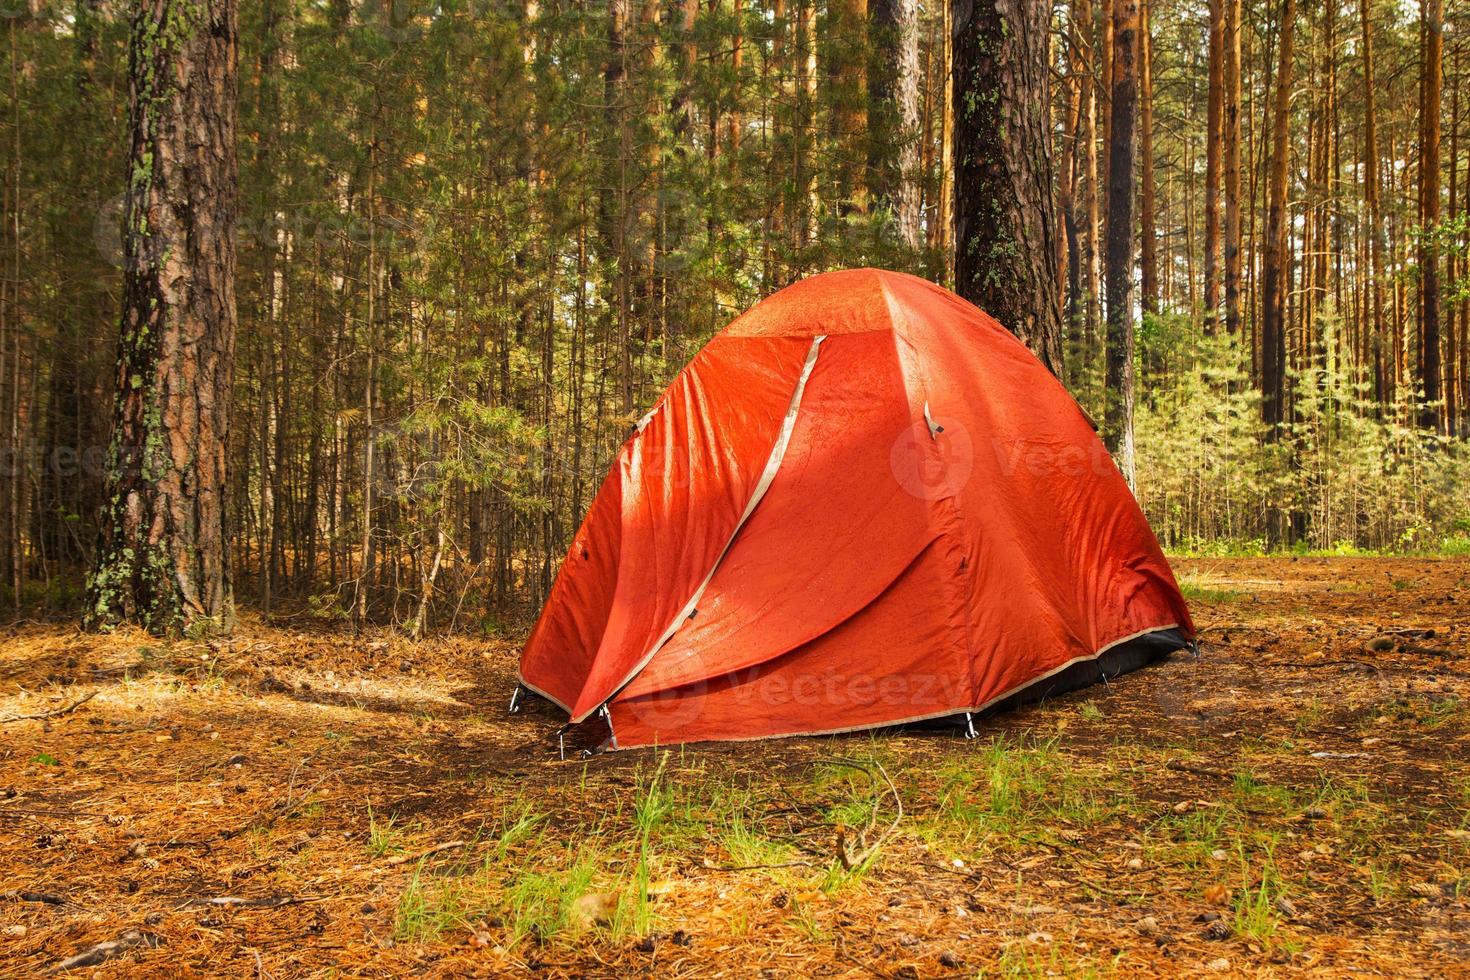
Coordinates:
[57,713]
[103,952]
[850,861]
[406,858]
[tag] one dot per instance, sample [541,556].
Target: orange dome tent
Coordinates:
[863,503]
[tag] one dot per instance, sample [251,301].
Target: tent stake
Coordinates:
[515,701]
[970,726]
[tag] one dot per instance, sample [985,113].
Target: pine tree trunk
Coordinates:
[1213,146]
[1148,259]
[1382,376]
[1275,272]
[681,106]
[894,95]
[163,560]
[1070,177]
[1432,12]
[1118,276]
[849,19]
[1005,244]
[735,120]
[1231,151]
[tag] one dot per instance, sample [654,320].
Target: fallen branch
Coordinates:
[1178,766]
[232,902]
[103,952]
[57,713]
[406,858]
[848,860]
[757,867]
[1393,644]
[1325,663]
[22,896]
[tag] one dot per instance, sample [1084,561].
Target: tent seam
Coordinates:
[957,525]
[768,476]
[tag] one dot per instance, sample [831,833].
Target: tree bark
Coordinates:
[1432,12]
[849,20]
[1231,149]
[1383,376]
[1006,255]
[1213,141]
[1274,270]
[893,92]
[1118,276]
[163,559]
[1148,259]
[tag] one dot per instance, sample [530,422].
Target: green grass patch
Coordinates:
[1195,592]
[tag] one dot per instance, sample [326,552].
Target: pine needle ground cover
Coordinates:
[309,802]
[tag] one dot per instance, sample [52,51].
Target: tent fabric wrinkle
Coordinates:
[919,522]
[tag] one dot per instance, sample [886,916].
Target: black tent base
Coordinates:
[592,735]
[1113,663]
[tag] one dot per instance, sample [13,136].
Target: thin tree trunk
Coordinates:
[944,222]
[1432,12]
[735,119]
[850,102]
[1118,424]
[1213,146]
[1148,260]
[894,95]
[1383,385]
[1275,272]
[1231,150]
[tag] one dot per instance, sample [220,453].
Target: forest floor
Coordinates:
[306,802]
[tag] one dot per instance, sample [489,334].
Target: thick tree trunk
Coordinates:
[893,92]
[1005,245]
[1432,12]
[1118,276]
[1274,263]
[163,558]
